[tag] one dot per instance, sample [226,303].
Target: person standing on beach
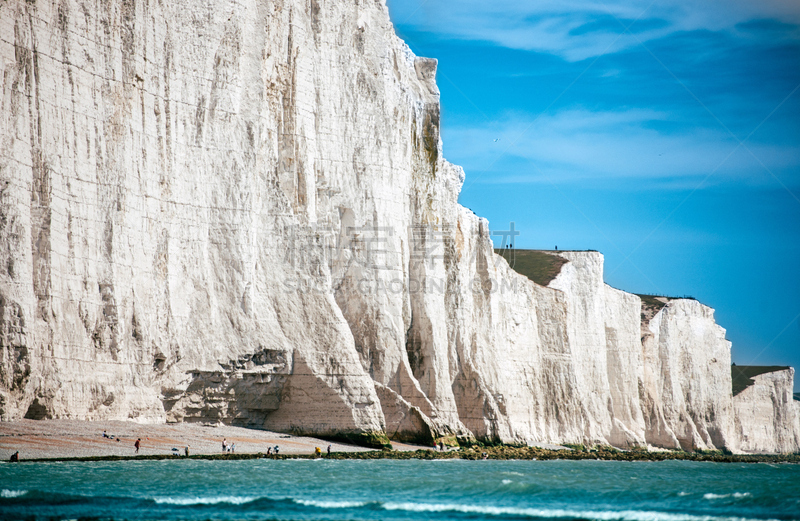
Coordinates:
[186,451]
[329,451]
[224,445]
[137,444]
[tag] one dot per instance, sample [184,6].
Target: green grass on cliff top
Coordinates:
[742,375]
[652,301]
[538,265]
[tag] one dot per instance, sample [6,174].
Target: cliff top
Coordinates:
[542,266]
[538,265]
[742,375]
[651,305]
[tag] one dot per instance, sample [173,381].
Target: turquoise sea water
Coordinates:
[386,489]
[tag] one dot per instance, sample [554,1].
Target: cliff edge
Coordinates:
[239,212]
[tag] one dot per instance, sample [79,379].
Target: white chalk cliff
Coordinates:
[240,212]
[767,416]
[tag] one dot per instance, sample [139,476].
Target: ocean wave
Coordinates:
[506,481]
[189,501]
[622,515]
[5,493]
[330,504]
[737,495]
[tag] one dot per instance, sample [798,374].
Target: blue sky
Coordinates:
[664,134]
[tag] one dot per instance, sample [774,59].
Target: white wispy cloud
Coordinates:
[578,144]
[577,29]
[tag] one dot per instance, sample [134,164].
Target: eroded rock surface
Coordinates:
[239,212]
[767,415]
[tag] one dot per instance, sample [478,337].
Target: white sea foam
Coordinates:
[623,515]
[187,501]
[506,481]
[12,493]
[736,495]
[330,504]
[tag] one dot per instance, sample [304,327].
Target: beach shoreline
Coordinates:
[491,453]
[76,440]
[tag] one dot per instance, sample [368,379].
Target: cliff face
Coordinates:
[687,384]
[170,173]
[662,380]
[767,415]
[240,212]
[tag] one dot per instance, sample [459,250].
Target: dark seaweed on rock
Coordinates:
[494,453]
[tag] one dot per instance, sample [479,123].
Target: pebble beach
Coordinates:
[38,439]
